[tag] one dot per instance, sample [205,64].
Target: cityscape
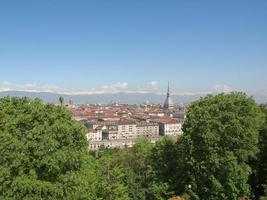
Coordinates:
[119,125]
[133,100]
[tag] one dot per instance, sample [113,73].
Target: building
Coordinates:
[110,132]
[120,125]
[94,134]
[94,146]
[168,104]
[148,130]
[170,127]
[96,123]
[124,129]
[127,129]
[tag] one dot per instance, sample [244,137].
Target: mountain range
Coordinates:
[121,97]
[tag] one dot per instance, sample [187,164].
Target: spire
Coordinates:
[168,104]
[168,92]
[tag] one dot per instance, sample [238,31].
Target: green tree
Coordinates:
[135,167]
[264,197]
[61,100]
[163,166]
[111,185]
[259,164]
[262,168]
[220,135]
[140,176]
[43,153]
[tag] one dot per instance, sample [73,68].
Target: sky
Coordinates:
[97,46]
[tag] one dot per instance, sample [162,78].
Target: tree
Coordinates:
[177,198]
[134,162]
[140,174]
[43,153]
[61,100]
[259,164]
[111,175]
[163,166]
[220,136]
[264,197]
[128,174]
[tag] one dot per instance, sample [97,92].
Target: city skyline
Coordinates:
[133,47]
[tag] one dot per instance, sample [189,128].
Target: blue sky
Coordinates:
[103,46]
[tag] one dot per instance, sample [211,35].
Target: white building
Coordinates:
[127,130]
[110,132]
[170,127]
[94,146]
[94,134]
[130,130]
[144,129]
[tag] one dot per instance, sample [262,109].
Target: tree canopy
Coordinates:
[220,135]
[43,151]
[258,179]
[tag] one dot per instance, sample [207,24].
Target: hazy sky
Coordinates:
[103,46]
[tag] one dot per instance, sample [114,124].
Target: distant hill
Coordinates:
[132,98]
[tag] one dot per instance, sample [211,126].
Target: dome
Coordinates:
[168,104]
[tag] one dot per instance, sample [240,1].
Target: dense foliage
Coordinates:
[258,180]
[43,152]
[220,136]
[221,155]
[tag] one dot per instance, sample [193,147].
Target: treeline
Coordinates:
[221,155]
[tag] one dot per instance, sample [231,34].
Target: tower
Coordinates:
[168,104]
